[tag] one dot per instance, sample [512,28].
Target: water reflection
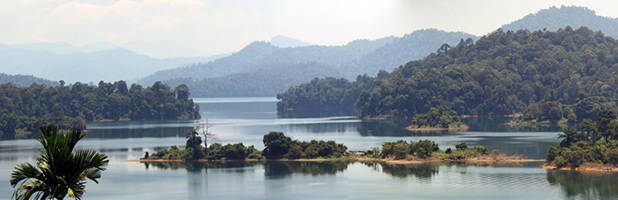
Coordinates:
[278,170]
[133,132]
[198,167]
[284,169]
[421,171]
[585,185]
[499,124]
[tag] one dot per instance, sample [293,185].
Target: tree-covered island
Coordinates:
[281,147]
[437,119]
[24,109]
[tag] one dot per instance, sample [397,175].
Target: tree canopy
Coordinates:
[27,108]
[501,73]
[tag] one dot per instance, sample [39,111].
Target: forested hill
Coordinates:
[555,18]
[267,82]
[25,80]
[25,109]
[356,57]
[501,73]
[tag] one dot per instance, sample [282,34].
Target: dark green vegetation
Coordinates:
[596,143]
[24,80]
[277,145]
[426,149]
[549,111]
[500,74]
[439,117]
[195,151]
[327,94]
[24,109]
[60,170]
[264,61]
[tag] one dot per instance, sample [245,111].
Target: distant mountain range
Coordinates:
[350,60]
[266,82]
[279,60]
[57,61]
[555,18]
[25,80]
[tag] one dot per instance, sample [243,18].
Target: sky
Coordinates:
[175,28]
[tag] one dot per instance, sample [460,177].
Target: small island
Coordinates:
[593,148]
[437,119]
[543,114]
[279,147]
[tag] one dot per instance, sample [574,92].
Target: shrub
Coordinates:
[424,148]
[235,151]
[295,152]
[276,145]
[461,146]
[481,150]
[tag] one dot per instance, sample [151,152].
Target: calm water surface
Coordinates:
[248,119]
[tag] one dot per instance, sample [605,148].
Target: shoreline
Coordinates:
[461,127]
[598,168]
[512,159]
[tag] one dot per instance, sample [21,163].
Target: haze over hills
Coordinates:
[285,42]
[58,61]
[25,80]
[267,82]
[350,60]
[555,18]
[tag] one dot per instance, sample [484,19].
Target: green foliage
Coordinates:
[461,146]
[402,149]
[439,117]
[60,170]
[71,106]
[481,150]
[596,142]
[549,111]
[276,145]
[501,73]
[329,94]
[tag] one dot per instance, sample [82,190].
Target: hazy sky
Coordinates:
[169,28]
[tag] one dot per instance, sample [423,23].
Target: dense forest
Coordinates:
[25,109]
[500,74]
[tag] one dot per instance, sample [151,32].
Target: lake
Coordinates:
[248,119]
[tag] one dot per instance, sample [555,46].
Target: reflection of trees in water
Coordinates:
[139,132]
[317,112]
[498,124]
[514,145]
[283,169]
[585,185]
[322,127]
[421,171]
[199,166]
